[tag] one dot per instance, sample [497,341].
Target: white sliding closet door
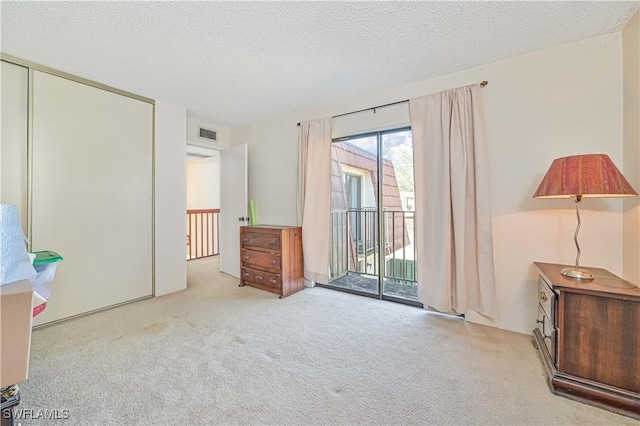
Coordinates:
[91,194]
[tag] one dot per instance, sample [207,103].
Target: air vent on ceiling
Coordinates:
[208,134]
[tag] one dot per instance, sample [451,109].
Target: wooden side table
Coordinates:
[588,335]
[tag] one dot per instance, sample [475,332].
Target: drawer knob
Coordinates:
[273,242]
[543,296]
[246,256]
[246,240]
[274,262]
[259,277]
[273,281]
[246,275]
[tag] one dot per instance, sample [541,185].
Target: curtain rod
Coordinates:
[483,84]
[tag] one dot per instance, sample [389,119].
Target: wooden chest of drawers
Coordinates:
[271,258]
[588,336]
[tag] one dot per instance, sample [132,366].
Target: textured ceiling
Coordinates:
[234,63]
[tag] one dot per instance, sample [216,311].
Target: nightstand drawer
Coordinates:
[547,299]
[548,331]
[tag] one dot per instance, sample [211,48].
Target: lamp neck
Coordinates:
[575,236]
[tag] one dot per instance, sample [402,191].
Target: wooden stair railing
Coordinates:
[202,233]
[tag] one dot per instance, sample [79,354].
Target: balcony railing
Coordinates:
[202,233]
[355,241]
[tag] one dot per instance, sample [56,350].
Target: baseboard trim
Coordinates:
[84,314]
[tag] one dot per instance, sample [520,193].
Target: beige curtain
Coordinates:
[314,197]
[453,217]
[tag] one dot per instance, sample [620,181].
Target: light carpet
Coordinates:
[222,354]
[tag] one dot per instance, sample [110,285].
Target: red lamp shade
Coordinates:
[591,175]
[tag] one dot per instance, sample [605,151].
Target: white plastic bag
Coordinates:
[15,264]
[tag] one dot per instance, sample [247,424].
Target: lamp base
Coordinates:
[578,274]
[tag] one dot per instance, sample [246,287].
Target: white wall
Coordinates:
[631,126]
[170,198]
[540,106]
[203,183]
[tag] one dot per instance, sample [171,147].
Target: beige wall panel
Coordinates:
[13,146]
[92,194]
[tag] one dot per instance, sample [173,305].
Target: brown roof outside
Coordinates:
[350,155]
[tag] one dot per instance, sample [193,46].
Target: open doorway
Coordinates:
[203,209]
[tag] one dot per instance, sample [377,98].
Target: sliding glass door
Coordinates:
[372,233]
[399,277]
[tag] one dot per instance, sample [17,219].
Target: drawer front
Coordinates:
[548,331]
[547,300]
[256,239]
[253,276]
[260,259]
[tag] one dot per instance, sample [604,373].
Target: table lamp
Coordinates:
[582,176]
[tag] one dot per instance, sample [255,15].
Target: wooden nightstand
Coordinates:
[588,334]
